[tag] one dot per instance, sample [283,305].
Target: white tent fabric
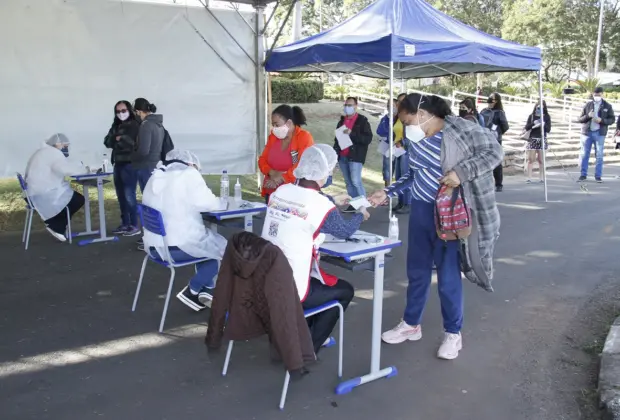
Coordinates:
[66,63]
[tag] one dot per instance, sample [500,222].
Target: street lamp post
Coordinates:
[599,39]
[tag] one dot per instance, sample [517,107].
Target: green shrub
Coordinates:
[285,91]
[336,92]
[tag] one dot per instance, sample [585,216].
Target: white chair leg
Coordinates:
[227,360]
[29,228]
[135,299]
[25,226]
[341,340]
[287,379]
[163,315]
[69,236]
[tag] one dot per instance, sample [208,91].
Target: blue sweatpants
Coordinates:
[424,248]
[205,271]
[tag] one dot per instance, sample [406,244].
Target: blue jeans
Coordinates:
[424,248]
[126,183]
[402,168]
[593,138]
[205,271]
[143,176]
[386,170]
[352,173]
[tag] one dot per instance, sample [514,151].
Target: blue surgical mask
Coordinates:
[537,111]
[65,151]
[328,182]
[349,110]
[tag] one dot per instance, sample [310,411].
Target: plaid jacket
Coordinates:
[473,152]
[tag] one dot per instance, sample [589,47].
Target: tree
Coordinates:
[485,15]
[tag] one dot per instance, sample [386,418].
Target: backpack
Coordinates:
[452,215]
[166,146]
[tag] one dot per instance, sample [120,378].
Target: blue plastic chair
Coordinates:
[307,314]
[30,212]
[153,221]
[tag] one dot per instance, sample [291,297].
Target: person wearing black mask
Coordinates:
[121,138]
[495,120]
[535,142]
[468,111]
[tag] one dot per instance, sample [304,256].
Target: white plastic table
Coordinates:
[93,180]
[246,211]
[374,247]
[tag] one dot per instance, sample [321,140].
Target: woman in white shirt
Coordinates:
[49,192]
[179,192]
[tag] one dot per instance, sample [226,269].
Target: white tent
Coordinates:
[65,63]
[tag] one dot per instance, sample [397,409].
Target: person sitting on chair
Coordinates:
[178,191]
[296,215]
[50,194]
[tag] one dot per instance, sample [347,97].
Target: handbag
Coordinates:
[525,134]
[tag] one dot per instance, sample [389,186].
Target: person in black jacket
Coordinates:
[351,159]
[121,138]
[495,120]
[535,143]
[596,117]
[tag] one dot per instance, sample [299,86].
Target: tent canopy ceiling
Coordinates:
[420,41]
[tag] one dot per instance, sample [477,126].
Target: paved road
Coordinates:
[71,348]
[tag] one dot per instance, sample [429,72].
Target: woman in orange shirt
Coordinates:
[284,148]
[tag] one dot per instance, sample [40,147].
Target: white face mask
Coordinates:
[414,132]
[280,132]
[123,115]
[597,99]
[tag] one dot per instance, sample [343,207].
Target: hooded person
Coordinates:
[50,194]
[177,190]
[297,215]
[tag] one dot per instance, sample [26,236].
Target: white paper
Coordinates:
[493,127]
[359,202]
[384,148]
[399,151]
[344,141]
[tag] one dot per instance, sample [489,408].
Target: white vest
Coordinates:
[294,218]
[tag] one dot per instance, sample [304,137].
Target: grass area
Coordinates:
[322,119]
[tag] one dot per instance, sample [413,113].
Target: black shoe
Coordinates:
[190,299]
[598,179]
[499,188]
[349,209]
[402,210]
[582,178]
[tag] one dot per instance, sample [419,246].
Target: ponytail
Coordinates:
[295,114]
[143,105]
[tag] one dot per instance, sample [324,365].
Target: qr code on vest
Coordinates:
[273,229]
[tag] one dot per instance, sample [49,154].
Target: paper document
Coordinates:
[344,141]
[384,148]
[360,201]
[399,151]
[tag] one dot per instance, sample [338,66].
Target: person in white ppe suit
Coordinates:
[177,190]
[297,216]
[50,193]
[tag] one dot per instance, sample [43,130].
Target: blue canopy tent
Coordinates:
[404,39]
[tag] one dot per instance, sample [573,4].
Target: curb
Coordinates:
[609,374]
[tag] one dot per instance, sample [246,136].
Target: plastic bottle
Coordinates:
[393,230]
[238,198]
[224,186]
[106,163]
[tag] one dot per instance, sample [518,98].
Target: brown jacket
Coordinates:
[255,287]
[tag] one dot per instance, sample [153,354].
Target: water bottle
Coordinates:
[238,198]
[105,163]
[393,230]
[224,184]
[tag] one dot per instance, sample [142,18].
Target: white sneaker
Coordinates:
[449,349]
[401,333]
[57,235]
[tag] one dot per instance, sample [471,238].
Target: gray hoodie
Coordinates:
[149,143]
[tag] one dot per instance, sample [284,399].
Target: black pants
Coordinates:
[59,222]
[321,325]
[498,174]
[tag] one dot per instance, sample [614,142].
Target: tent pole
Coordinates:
[391,131]
[542,132]
[259,80]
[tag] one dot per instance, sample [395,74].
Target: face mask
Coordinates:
[537,111]
[489,101]
[280,132]
[462,113]
[65,151]
[328,182]
[349,110]
[597,99]
[414,132]
[123,115]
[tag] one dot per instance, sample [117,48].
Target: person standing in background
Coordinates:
[149,144]
[596,117]
[535,143]
[383,131]
[468,111]
[401,166]
[495,120]
[285,145]
[121,138]
[352,159]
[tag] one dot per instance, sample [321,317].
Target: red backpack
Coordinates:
[452,215]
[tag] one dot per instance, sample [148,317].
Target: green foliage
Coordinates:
[588,85]
[296,91]
[484,15]
[556,90]
[336,92]
[295,75]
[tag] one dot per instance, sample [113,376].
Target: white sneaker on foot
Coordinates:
[401,333]
[450,347]
[59,236]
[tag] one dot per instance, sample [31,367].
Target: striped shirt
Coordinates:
[424,170]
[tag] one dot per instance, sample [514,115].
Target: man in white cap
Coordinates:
[49,192]
[179,192]
[297,214]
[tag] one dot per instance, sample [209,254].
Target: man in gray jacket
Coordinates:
[596,117]
[147,152]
